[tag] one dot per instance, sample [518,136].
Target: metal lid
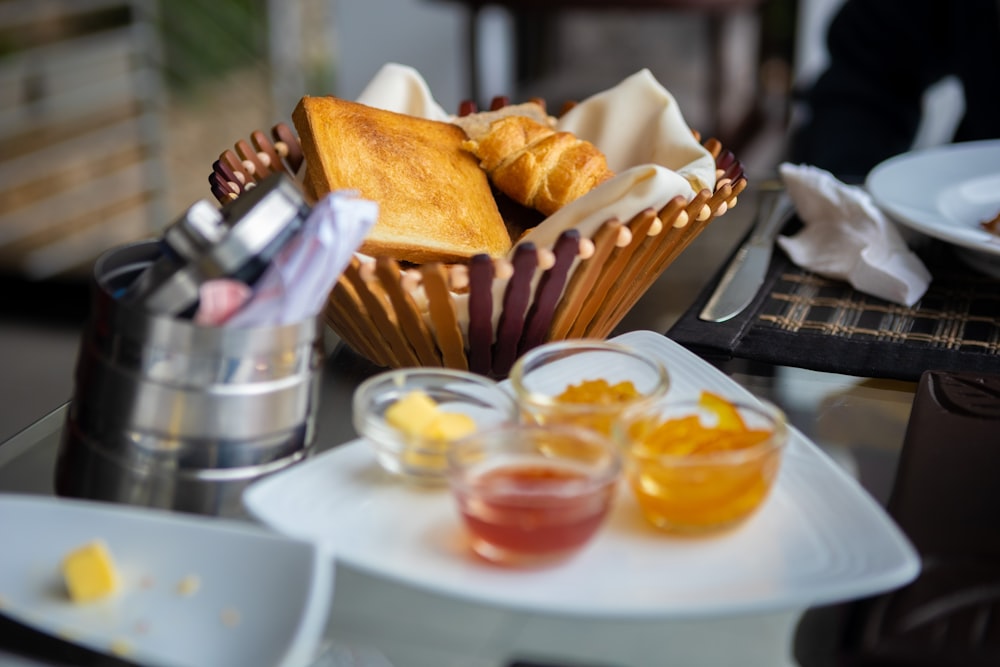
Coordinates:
[238,241]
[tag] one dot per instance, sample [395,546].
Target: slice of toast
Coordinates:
[435,202]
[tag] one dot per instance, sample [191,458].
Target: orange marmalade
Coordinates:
[705,468]
[599,392]
[593,403]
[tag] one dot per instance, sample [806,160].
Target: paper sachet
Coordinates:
[847,237]
[299,279]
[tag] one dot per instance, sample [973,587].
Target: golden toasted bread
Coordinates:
[435,202]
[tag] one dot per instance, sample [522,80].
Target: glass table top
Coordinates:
[860,423]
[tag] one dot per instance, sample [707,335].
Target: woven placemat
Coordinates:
[804,320]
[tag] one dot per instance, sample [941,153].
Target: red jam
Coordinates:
[532,510]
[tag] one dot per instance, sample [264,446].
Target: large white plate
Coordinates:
[261,598]
[944,192]
[819,538]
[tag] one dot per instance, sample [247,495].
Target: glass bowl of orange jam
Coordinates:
[703,465]
[530,494]
[412,415]
[585,382]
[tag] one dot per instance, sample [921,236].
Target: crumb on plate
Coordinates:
[189,585]
[230,617]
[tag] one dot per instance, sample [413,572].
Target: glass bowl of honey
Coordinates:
[585,382]
[530,494]
[703,465]
[412,415]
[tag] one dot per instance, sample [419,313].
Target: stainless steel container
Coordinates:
[166,413]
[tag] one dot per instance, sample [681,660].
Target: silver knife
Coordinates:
[745,273]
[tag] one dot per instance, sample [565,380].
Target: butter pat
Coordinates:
[450,426]
[89,572]
[412,414]
[426,429]
[417,415]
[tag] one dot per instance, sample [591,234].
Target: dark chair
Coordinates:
[534,23]
[946,498]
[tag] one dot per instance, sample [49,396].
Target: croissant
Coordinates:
[537,166]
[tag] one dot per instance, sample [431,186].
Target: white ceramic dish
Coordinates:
[945,192]
[819,538]
[195,590]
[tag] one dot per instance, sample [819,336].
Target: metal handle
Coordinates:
[775,211]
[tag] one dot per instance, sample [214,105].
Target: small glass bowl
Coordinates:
[693,467]
[531,494]
[419,459]
[544,373]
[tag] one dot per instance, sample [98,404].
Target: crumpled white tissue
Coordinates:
[847,237]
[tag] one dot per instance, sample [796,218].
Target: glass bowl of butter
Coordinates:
[411,415]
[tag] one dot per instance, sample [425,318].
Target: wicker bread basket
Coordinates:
[483,315]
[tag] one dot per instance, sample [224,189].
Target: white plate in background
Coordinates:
[195,590]
[818,539]
[945,192]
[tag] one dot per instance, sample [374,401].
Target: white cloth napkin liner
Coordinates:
[631,191]
[847,237]
[655,132]
[402,89]
[655,138]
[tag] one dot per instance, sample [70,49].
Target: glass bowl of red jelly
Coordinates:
[531,494]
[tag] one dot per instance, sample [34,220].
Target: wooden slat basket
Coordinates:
[482,316]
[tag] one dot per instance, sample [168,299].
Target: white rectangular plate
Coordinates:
[819,538]
[194,590]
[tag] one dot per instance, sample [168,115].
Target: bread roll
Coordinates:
[477,125]
[537,166]
[435,202]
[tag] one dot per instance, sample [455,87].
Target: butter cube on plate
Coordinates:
[90,573]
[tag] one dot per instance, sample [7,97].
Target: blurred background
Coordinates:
[112,112]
